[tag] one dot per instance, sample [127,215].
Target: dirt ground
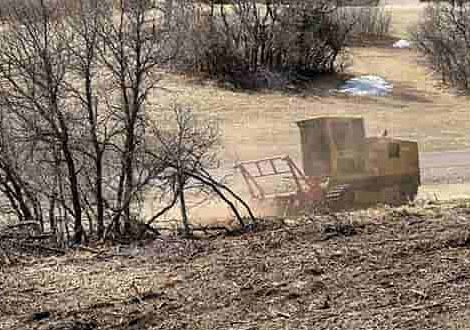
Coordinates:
[403,268]
[258,124]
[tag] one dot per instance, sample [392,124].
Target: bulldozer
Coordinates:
[342,168]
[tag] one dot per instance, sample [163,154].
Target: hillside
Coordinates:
[401,268]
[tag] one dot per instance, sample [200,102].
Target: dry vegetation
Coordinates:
[400,268]
[263,123]
[403,268]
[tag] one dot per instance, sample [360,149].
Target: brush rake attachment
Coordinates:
[292,192]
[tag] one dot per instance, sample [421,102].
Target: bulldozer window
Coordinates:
[340,132]
[393,150]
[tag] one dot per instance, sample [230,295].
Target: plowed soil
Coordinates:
[405,268]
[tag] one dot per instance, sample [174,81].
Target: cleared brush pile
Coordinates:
[25,240]
[404,268]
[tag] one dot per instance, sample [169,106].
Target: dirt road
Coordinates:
[445,167]
[445,175]
[456,158]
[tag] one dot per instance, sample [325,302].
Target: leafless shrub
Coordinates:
[187,147]
[443,39]
[253,45]
[373,21]
[246,38]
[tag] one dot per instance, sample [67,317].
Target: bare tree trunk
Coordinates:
[129,170]
[77,208]
[184,212]
[168,14]
[52,217]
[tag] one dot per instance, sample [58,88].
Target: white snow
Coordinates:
[402,44]
[366,85]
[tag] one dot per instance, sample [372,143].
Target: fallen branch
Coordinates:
[23,224]
[88,249]
[41,247]
[228,231]
[31,237]
[209,227]
[5,256]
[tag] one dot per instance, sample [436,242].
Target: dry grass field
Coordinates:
[258,124]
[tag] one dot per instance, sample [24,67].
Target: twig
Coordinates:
[5,255]
[23,224]
[39,246]
[88,249]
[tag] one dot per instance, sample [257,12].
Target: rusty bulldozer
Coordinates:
[342,169]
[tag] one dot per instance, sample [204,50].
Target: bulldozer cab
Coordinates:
[337,147]
[333,146]
[392,157]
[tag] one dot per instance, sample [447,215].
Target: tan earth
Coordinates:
[403,268]
[262,124]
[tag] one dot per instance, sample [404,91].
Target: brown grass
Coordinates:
[260,124]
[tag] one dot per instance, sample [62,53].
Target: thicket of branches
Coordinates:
[443,37]
[73,123]
[76,143]
[373,20]
[248,41]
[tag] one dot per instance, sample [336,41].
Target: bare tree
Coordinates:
[187,148]
[53,72]
[133,47]
[83,48]
[73,118]
[34,66]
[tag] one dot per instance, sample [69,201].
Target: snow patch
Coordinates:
[402,44]
[366,85]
